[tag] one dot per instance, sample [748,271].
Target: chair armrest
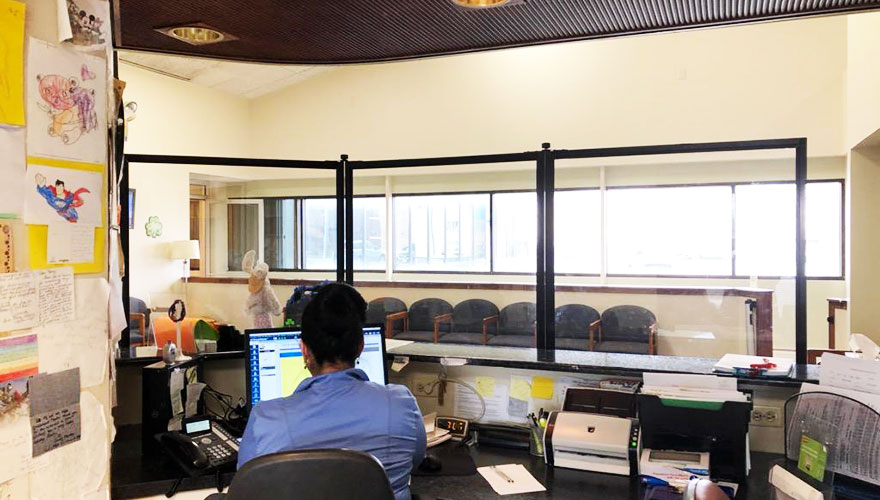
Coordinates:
[437,320]
[142,323]
[486,322]
[389,322]
[595,326]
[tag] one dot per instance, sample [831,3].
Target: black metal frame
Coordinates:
[545,189]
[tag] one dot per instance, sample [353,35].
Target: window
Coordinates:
[319,233]
[369,233]
[279,222]
[514,232]
[765,229]
[577,231]
[669,231]
[319,238]
[244,231]
[441,233]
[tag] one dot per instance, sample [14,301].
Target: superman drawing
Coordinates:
[63,201]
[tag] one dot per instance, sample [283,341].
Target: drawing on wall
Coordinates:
[65,91]
[86,22]
[62,194]
[153,227]
[11,62]
[13,395]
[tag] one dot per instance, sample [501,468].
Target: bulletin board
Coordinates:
[38,235]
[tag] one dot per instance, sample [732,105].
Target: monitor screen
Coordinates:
[275,364]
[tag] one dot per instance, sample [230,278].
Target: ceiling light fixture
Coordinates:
[196,34]
[484,4]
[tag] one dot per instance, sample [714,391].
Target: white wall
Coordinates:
[863,76]
[748,82]
[173,118]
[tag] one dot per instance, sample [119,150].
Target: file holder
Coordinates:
[850,431]
[721,428]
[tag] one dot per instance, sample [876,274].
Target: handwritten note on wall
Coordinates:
[36,298]
[55,412]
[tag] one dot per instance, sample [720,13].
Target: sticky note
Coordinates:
[486,386]
[520,388]
[542,387]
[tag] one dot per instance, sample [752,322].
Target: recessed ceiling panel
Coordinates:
[351,31]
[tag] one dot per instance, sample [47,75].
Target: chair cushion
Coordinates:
[573,321]
[512,340]
[417,336]
[569,344]
[461,338]
[623,347]
[467,316]
[423,312]
[517,319]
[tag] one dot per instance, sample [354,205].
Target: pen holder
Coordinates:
[536,440]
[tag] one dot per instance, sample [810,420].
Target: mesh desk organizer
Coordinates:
[850,432]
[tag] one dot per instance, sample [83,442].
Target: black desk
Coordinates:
[134,476]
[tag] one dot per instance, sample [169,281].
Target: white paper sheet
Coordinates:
[856,451]
[115,307]
[66,99]
[193,393]
[19,305]
[62,195]
[84,23]
[15,489]
[850,373]
[12,170]
[467,404]
[175,386]
[395,343]
[56,295]
[15,441]
[70,243]
[510,479]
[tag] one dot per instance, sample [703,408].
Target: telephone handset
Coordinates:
[203,445]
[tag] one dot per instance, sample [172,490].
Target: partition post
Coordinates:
[800,286]
[544,273]
[340,219]
[349,220]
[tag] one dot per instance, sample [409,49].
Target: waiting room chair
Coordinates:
[516,326]
[390,311]
[626,329]
[422,320]
[138,322]
[310,475]
[470,322]
[575,324]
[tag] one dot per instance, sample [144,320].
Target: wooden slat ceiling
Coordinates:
[353,31]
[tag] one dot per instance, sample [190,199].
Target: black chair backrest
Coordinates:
[627,323]
[311,475]
[422,313]
[467,316]
[517,319]
[295,310]
[573,321]
[377,309]
[136,305]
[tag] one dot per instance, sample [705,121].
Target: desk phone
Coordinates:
[202,445]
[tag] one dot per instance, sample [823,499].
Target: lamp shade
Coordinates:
[185,249]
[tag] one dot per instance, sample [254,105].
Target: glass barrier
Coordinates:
[458,254]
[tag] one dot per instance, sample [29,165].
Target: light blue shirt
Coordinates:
[342,410]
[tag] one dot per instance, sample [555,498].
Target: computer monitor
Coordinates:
[275,364]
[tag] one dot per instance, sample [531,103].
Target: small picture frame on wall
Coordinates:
[131,195]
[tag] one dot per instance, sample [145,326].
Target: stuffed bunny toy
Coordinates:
[262,304]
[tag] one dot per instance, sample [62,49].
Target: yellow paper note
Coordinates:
[520,388]
[486,386]
[542,387]
[12,62]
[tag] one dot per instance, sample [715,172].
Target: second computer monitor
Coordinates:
[275,364]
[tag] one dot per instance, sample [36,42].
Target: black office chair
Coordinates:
[310,475]
[138,321]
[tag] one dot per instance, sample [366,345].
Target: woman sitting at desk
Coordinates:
[338,407]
